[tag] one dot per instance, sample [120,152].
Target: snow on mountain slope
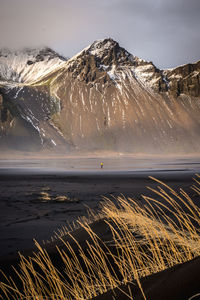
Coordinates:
[112,99]
[117,63]
[104,98]
[28,65]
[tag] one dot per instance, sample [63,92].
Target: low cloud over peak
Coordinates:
[165,32]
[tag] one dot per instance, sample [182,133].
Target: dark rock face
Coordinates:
[103,57]
[185,80]
[5,118]
[15,131]
[27,113]
[103,98]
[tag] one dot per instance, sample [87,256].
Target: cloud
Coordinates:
[165,32]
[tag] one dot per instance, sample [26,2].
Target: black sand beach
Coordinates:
[25,214]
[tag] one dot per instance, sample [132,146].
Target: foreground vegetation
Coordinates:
[147,237]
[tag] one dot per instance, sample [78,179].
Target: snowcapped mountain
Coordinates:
[102,98]
[109,58]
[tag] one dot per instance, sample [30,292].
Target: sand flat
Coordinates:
[24,216]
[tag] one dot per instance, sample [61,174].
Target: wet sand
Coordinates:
[24,215]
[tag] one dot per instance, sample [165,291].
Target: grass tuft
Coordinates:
[147,237]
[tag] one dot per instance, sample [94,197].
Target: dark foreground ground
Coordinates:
[30,208]
[178,283]
[29,189]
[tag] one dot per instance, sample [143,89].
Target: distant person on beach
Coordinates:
[101,165]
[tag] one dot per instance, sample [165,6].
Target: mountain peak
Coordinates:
[27,64]
[100,49]
[100,62]
[50,53]
[106,62]
[39,54]
[100,46]
[111,49]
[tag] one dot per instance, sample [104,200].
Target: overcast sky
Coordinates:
[166,32]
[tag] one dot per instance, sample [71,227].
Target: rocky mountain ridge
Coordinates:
[102,98]
[184,79]
[110,60]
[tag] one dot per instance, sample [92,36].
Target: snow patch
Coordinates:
[22,66]
[53,142]
[97,48]
[112,73]
[103,67]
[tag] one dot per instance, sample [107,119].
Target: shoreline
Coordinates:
[24,216]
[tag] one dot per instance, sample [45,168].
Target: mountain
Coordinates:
[28,65]
[102,98]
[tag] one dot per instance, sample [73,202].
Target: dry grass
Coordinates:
[147,238]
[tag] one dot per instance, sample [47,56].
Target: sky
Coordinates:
[166,32]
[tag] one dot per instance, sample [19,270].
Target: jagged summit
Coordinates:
[107,51]
[101,48]
[106,62]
